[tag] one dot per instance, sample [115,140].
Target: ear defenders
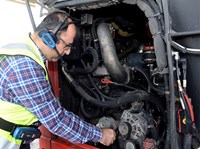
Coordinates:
[50,38]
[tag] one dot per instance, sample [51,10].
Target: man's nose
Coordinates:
[68,51]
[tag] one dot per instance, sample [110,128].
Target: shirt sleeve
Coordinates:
[31,90]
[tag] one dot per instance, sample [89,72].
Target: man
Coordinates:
[25,93]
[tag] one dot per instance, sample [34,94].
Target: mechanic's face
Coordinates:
[65,40]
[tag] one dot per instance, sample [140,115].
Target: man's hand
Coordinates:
[108,136]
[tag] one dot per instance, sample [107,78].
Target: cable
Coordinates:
[151,86]
[183,98]
[190,106]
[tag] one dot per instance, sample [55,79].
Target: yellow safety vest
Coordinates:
[13,112]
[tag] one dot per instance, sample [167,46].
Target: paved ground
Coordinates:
[35,144]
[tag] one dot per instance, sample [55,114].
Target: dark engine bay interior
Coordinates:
[118,74]
[114,66]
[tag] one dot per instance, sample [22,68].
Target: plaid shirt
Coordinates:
[23,82]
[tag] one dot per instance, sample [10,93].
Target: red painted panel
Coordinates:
[64,144]
[56,142]
[45,132]
[52,68]
[45,142]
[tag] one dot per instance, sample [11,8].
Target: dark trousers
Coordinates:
[25,146]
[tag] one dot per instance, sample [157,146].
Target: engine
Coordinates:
[111,78]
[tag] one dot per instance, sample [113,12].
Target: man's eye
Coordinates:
[68,46]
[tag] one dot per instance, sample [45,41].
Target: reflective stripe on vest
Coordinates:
[12,112]
[4,144]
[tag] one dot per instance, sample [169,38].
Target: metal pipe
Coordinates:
[172,100]
[185,34]
[30,14]
[117,71]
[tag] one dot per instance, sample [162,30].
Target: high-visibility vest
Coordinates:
[13,112]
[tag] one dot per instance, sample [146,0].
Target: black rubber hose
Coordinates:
[167,140]
[129,97]
[98,91]
[90,69]
[196,140]
[187,141]
[151,86]
[124,99]
[95,86]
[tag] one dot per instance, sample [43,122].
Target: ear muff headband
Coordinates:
[57,28]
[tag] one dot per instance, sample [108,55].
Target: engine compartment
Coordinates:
[127,73]
[113,66]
